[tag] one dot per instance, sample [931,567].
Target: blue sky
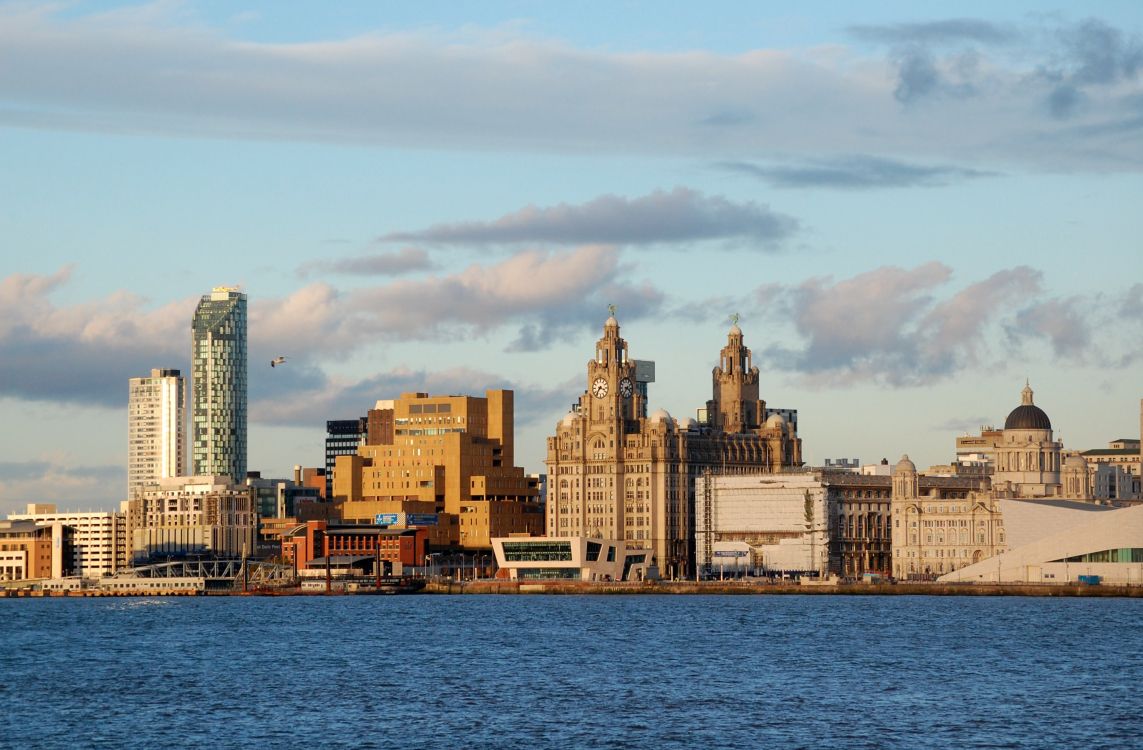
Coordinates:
[912,209]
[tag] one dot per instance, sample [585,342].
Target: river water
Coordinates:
[572,671]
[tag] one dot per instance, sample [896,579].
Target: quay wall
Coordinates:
[747,589]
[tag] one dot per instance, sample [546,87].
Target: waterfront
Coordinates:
[571,671]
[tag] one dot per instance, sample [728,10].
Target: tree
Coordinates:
[809,513]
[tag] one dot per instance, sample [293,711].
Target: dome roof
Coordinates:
[660,415]
[1075,461]
[1027,416]
[569,419]
[774,420]
[905,464]
[611,323]
[687,423]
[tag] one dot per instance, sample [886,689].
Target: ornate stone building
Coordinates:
[859,523]
[616,474]
[941,524]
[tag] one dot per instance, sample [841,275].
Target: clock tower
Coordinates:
[611,397]
[596,489]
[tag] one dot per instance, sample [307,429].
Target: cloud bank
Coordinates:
[894,326]
[1053,95]
[72,486]
[86,352]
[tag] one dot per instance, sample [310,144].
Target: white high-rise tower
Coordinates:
[156,418]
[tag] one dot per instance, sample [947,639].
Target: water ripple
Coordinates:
[534,671]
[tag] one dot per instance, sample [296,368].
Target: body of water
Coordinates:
[572,671]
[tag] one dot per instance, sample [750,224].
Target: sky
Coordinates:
[912,209]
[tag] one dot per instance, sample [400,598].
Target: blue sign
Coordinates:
[420,519]
[386,519]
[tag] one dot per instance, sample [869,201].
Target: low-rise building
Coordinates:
[99,537]
[317,540]
[182,516]
[29,550]
[572,559]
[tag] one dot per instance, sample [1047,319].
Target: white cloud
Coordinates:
[85,352]
[894,325]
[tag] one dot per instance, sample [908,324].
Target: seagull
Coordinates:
[277,361]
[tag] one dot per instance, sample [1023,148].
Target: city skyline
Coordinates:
[912,212]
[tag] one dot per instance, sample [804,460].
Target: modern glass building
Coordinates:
[342,438]
[156,446]
[218,427]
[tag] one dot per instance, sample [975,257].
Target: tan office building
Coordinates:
[449,455]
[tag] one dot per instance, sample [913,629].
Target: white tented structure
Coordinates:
[1060,541]
[761,524]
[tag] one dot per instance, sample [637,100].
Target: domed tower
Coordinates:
[905,483]
[1076,479]
[1027,457]
[735,406]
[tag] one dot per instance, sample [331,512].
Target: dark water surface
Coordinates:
[572,671]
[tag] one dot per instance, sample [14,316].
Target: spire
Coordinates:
[611,321]
[1026,394]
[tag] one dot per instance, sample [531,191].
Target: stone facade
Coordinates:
[941,524]
[183,516]
[859,523]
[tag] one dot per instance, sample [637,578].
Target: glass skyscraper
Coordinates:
[218,427]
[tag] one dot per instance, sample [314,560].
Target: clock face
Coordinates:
[625,388]
[599,388]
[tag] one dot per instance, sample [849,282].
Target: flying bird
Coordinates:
[277,361]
